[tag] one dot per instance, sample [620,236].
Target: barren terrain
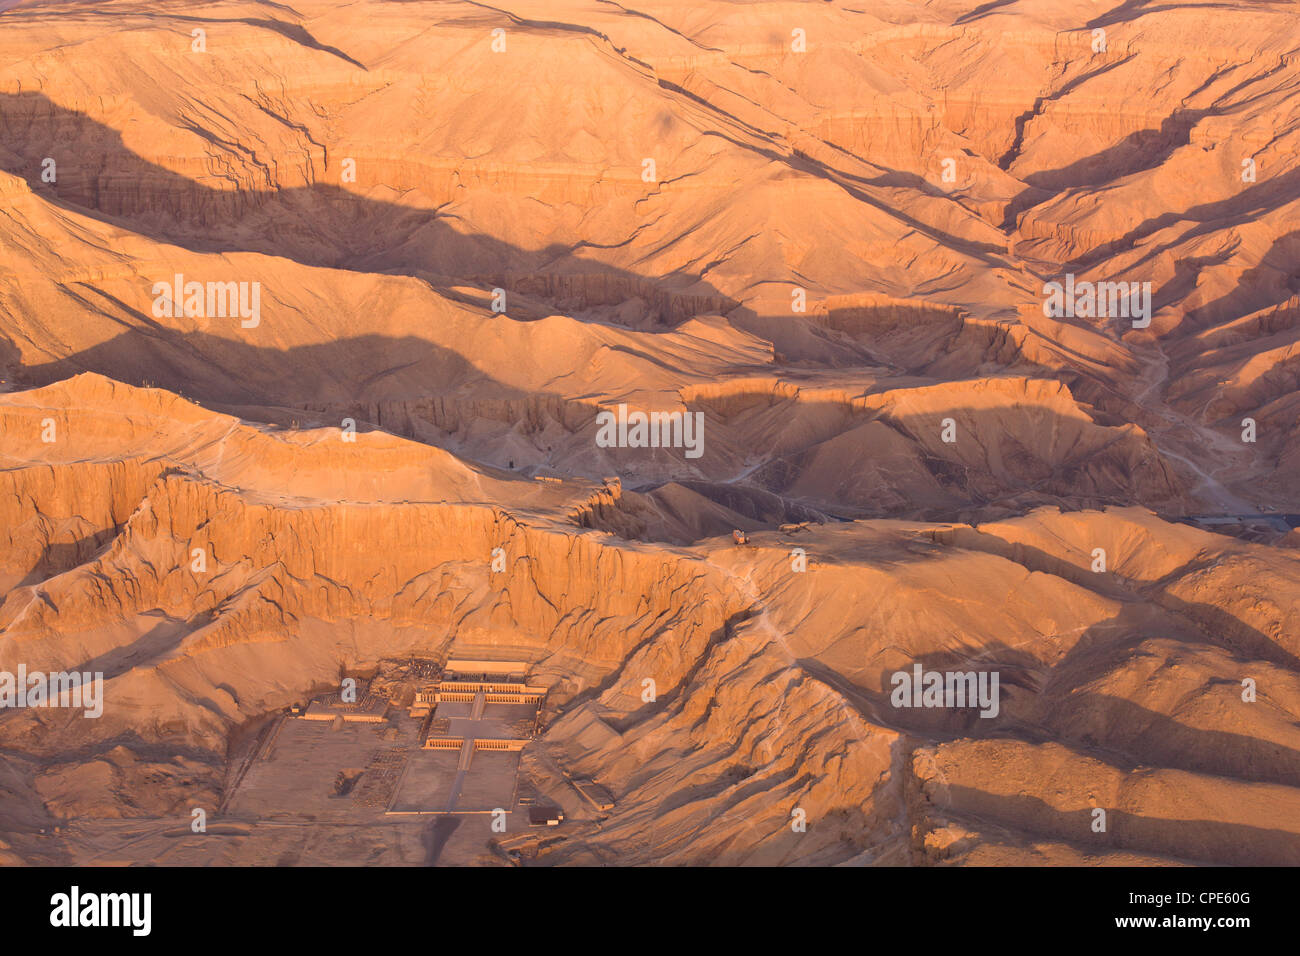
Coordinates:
[826,228]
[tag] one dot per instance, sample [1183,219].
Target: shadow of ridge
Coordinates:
[997,464]
[319,225]
[983,10]
[214,758]
[1230,632]
[1250,294]
[1123,732]
[668,699]
[211,369]
[323,225]
[166,635]
[1197,840]
[1237,209]
[1211,621]
[1015,667]
[62,556]
[1131,10]
[1013,152]
[420,390]
[1261,198]
[327,226]
[786,780]
[434,837]
[1138,151]
[1113,729]
[293,32]
[1148,738]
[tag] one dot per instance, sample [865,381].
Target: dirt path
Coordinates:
[1217,452]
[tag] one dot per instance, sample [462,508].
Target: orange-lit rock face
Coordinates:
[324,330]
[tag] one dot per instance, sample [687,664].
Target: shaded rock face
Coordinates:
[838,255]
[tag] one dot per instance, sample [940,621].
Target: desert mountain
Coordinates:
[312,315]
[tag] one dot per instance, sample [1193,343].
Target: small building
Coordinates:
[367,709]
[594,793]
[545,816]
